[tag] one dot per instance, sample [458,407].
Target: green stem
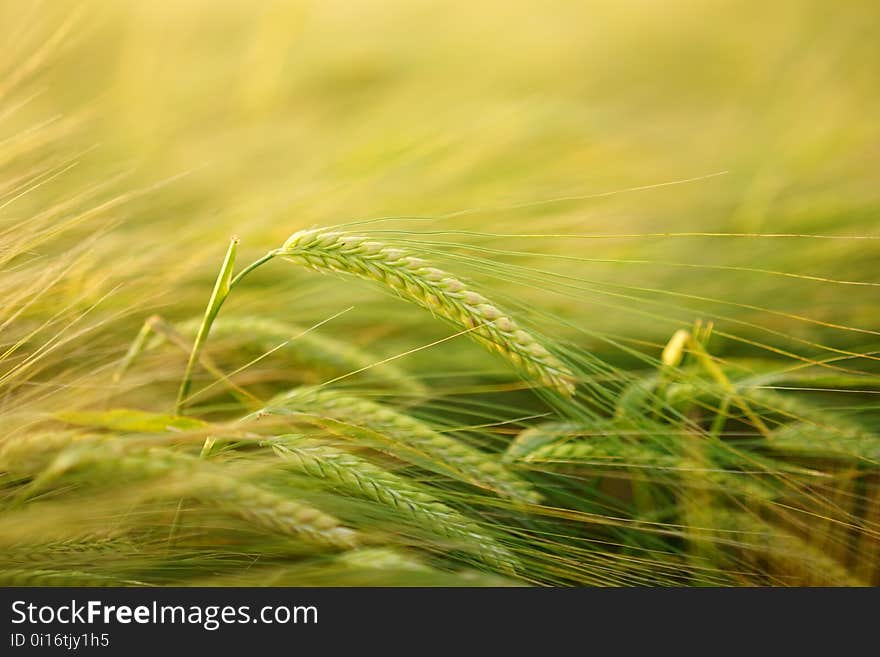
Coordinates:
[134,350]
[718,374]
[167,331]
[222,287]
[247,270]
[720,418]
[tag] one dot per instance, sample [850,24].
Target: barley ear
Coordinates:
[435,290]
[405,437]
[412,501]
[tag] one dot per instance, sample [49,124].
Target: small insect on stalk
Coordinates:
[683,342]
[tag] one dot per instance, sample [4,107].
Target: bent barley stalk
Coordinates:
[439,292]
[165,331]
[316,354]
[367,480]
[476,467]
[209,484]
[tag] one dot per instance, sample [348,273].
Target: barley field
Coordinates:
[429,293]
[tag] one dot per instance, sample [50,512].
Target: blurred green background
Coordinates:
[608,172]
[210,119]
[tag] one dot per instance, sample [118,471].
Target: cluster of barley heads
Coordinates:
[699,472]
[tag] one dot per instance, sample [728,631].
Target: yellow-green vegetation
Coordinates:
[454,294]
